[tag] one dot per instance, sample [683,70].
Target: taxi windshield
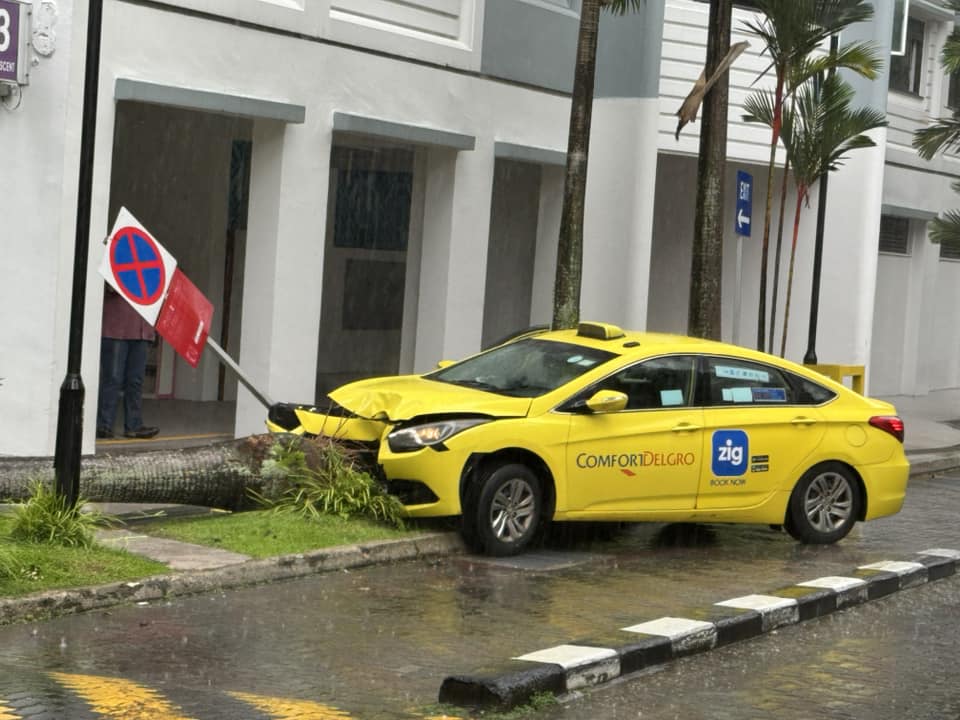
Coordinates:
[526,368]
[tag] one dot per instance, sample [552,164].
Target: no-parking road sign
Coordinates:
[137,266]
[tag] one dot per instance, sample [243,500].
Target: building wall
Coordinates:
[916,320]
[36,240]
[456,80]
[683,57]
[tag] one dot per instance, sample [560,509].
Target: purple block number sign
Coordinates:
[9,40]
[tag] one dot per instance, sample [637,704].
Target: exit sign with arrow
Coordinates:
[744,203]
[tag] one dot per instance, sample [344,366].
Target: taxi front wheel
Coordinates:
[824,505]
[508,509]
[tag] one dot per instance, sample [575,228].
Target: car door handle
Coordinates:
[804,421]
[685,427]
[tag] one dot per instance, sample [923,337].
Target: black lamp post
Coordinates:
[66,462]
[810,357]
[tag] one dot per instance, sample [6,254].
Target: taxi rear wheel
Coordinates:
[507,510]
[824,505]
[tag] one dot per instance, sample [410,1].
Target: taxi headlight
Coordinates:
[429,434]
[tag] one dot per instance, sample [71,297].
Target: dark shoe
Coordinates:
[104,434]
[142,433]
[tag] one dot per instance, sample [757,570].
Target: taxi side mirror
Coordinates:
[607,401]
[445,363]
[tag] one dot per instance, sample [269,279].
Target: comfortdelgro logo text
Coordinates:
[647,458]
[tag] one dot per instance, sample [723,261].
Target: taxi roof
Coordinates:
[630,341]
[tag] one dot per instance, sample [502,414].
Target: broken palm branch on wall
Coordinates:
[691,104]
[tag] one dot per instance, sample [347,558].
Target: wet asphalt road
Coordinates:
[376,643]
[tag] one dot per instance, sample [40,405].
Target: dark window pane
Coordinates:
[953,93]
[894,235]
[949,251]
[809,392]
[370,292]
[905,69]
[372,209]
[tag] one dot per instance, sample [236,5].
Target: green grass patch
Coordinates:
[264,533]
[29,567]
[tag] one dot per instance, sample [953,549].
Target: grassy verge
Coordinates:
[261,533]
[31,567]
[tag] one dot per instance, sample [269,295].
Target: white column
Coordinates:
[618,222]
[849,271]
[283,267]
[920,303]
[548,236]
[456,229]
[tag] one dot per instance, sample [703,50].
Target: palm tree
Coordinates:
[944,135]
[703,318]
[566,293]
[791,31]
[818,131]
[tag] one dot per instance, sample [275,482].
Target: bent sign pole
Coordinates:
[66,462]
[228,361]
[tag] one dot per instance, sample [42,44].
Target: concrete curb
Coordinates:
[158,587]
[924,466]
[597,660]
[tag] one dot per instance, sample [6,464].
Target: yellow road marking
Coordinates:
[6,713]
[287,709]
[120,699]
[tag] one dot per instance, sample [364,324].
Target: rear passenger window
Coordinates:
[809,392]
[740,382]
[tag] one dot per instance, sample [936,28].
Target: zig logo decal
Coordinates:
[731,452]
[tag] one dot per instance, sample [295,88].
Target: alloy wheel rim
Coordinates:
[512,510]
[828,502]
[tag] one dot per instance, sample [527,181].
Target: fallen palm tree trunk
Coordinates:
[216,475]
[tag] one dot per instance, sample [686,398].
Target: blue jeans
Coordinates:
[123,364]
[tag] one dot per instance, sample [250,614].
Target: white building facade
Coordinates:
[368,186]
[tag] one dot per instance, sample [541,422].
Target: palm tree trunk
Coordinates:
[211,476]
[566,293]
[776,255]
[801,194]
[705,273]
[767,212]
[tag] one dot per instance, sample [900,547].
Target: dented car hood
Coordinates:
[395,399]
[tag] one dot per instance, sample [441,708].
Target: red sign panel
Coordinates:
[184,319]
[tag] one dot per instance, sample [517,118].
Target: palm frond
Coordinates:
[834,15]
[861,58]
[622,7]
[950,56]
[759,107]
[942,135]
[823,129]
[946,229]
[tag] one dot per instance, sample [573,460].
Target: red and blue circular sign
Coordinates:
[137,266]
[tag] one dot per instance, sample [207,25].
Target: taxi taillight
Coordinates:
[889,423]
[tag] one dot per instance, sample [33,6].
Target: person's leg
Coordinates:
[112,361]
[135,368]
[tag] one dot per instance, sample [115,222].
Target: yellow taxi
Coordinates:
[598,424]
